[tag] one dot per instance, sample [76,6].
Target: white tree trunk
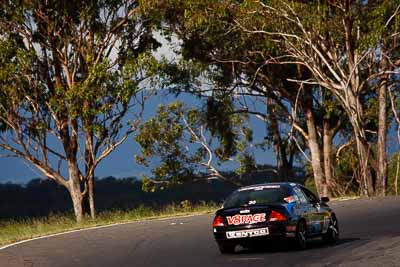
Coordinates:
[91,197]
[315,154]
[381,179]
[327,152]
[75,191]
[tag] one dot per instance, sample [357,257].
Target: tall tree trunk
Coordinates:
[356,117]
[363,150]
[75,191]
[91,196]
[312,141]
[396,178]
[315,153]
[381,178]
[89,165]
[354,105]
[327,152]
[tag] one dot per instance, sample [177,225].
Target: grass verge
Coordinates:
[16,230]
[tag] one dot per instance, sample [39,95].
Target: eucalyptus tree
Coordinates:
[247,64]
[183,142]
[349,47]
[73,83]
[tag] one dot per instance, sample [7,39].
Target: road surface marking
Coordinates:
[248,259]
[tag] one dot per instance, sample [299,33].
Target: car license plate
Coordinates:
[247,233]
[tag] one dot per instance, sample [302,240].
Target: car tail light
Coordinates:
[218,221]
[276,217]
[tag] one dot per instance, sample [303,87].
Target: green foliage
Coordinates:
[80,63]
[73,71]
[164,136]
[178,140]
[243,39]
[310,184]
[221,122]
[346,172]
[247,163]
[393,171]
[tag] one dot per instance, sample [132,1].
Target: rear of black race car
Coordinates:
[247,225]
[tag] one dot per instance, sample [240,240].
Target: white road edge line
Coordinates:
[95,227]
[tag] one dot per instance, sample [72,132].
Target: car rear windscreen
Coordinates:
[261,195]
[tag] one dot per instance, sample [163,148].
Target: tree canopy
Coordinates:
[298,53]
[71,72]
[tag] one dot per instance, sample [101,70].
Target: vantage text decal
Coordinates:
[246,219]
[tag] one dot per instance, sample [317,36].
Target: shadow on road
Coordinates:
[284,246]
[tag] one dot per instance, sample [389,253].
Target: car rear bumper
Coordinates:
[275,231]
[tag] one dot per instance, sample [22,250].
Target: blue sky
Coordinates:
[121,163]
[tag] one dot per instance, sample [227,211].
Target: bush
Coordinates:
[393,171]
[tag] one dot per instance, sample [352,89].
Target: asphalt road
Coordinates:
[370,236]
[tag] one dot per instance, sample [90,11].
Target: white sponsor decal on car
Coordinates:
[290,199]
[247,233]
[246,219]
[258,188]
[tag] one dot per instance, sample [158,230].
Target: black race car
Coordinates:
[268,211]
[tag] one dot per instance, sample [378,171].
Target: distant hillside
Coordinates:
[42,197]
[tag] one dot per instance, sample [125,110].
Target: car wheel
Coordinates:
[300,238]
[332,235]
[226,248]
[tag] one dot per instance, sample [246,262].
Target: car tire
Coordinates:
[226,248]
[300,238]
[332,234]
